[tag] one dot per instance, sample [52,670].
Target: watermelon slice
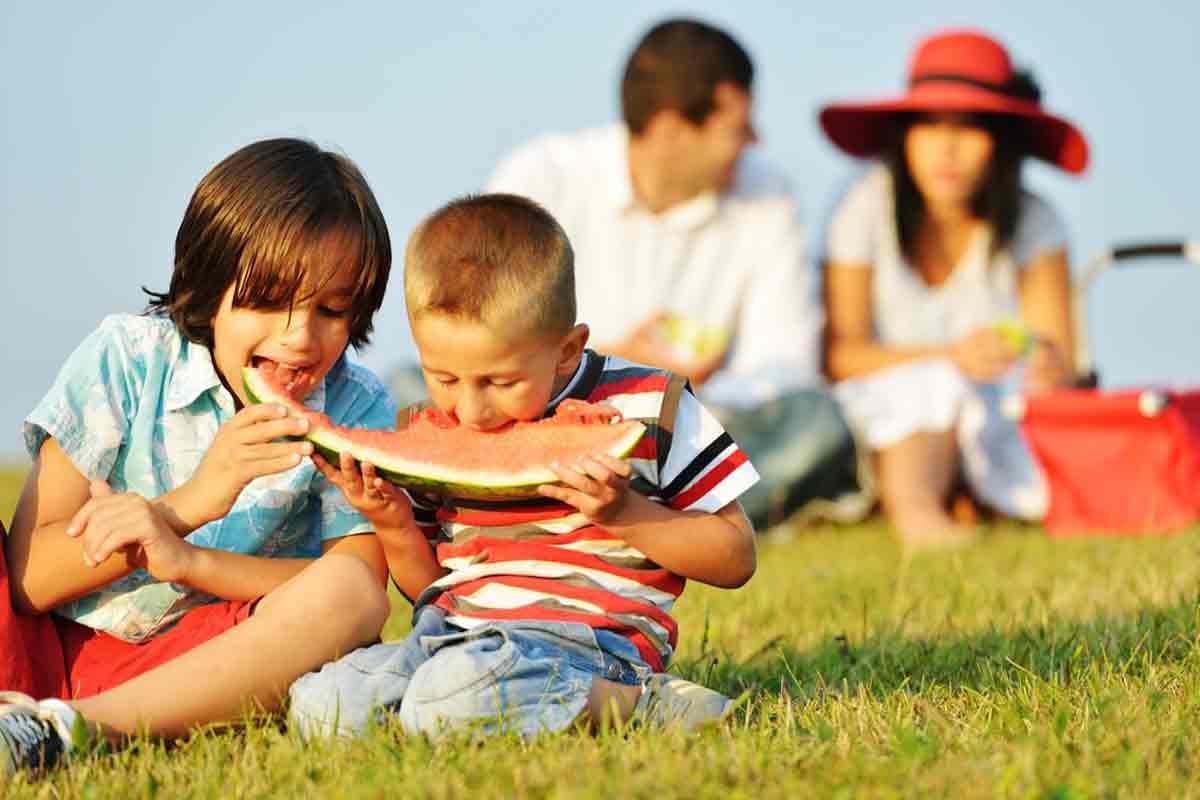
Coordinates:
[435,454]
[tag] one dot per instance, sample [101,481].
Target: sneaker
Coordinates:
[36,735]
[668,700]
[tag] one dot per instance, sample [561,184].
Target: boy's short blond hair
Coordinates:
[498,259]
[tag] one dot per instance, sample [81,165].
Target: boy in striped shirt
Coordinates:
[537,615]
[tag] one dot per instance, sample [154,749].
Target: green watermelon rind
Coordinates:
[417,477]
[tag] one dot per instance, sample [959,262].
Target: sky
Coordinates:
[113,112]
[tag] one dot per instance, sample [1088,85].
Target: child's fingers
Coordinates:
[370,479]
[91,539]
[99,503]
[391,492]
[561,493]
[252,415]
[272,428]
[616,465]
[273,450]
[271,466]
[106,535]
[600,468]
[599,473]
[331,473]
[602,476]
[351,477]
[575,478]
[379,486]
[92,543]
[79,522]
[98,551]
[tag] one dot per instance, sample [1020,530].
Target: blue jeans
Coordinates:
[528,677]
[802,449]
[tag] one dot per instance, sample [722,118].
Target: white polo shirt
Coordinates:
[734,259]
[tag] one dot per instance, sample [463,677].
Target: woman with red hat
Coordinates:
[947,282]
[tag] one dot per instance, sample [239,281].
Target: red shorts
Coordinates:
[96,661]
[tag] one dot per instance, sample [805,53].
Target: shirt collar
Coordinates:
[193,375]
[693,214]
[196,374]
[688,216]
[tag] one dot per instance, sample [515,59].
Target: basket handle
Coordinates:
[1179,248]
[1148,249]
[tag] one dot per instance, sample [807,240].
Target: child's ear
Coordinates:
[571,349]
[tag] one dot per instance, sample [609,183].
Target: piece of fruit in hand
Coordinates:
[690,341]
[1016,334]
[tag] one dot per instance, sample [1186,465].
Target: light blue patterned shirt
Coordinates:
[138,405]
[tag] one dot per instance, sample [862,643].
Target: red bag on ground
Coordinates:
[31,654]
[1121,462]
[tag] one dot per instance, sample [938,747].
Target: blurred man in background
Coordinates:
[690,256]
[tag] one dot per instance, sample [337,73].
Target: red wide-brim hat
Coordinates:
[957,71]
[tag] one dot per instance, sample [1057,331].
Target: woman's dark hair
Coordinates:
[997,200]
[275,220]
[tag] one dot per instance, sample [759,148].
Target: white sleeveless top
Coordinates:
[981,289]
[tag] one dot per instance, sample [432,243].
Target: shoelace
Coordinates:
[31,741]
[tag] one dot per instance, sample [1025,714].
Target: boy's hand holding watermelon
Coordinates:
[389,510]
[250,445]
[384,505]
[598,485]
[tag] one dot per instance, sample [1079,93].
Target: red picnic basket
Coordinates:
[1124,462]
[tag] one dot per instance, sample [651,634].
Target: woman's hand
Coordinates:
[110,522]
[1048,369]
[384,506]
[598,486]
[984,356]
[244,449]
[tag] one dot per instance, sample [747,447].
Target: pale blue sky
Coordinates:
[112,113]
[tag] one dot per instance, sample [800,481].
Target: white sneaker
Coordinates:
[668,700]
[37,735]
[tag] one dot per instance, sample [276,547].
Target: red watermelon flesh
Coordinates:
[435,454]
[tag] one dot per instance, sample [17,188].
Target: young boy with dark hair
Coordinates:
[556,611]
[177,544]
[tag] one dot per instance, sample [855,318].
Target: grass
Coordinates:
[1023,667]
[11,480]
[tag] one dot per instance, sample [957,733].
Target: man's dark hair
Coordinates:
[678,66]
[275,220]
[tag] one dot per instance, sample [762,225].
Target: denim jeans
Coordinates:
[802,449]
[528,677]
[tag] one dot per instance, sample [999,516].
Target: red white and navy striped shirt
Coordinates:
[543,560]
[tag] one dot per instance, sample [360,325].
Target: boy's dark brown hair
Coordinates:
[499,259]
[678,65]
[274,221]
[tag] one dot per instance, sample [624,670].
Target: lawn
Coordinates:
[1022,667]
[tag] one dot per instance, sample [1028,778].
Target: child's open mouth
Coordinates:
[296,380]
